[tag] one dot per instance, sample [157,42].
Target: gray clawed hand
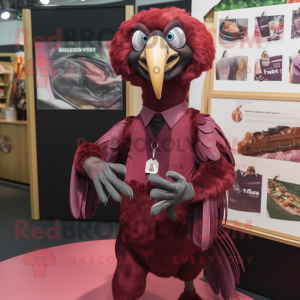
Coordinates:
[105,181]
[170,194]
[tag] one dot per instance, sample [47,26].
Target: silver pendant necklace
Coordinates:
[152,164]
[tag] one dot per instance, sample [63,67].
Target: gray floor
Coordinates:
[15,214]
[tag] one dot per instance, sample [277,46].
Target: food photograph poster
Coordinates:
[265,140]
[258,46]
[76,75]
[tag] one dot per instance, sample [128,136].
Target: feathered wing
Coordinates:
[83,197]
[209,134]
[207,210]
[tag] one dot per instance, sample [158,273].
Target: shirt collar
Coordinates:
[171,115]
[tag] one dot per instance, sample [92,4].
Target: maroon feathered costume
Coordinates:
[192,144]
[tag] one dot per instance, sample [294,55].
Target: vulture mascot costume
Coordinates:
[177,163]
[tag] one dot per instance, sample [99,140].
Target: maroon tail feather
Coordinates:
[222,265]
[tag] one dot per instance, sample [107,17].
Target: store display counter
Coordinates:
[14,151]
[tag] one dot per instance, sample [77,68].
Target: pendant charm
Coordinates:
[152,164]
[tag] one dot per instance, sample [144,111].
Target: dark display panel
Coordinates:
[59,132]
[186,4]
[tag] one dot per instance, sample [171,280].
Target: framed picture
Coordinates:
[296,24]
[233,30]
[261,45]
[264,133]
[295,68]
[232,68]
[76,75]
[269,28]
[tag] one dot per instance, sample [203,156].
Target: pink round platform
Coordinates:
[81,271]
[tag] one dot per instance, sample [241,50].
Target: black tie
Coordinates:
[156,124]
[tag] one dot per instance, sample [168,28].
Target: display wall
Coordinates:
[263,202]
[185,4]
[261,217]
[66,114]
[255,99]
[267,53]
[265,140]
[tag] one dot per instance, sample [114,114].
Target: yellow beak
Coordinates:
[154,60]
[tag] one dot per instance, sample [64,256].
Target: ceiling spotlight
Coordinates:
[45,2]
[5,15]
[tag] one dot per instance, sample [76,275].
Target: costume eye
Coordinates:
[144,38]
[170,36]
[176,37]
[139,39]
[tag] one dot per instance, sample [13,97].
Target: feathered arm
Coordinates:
[83,197]
[214,176]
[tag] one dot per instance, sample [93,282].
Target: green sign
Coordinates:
[239,4]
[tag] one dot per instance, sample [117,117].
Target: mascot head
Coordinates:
[162,51]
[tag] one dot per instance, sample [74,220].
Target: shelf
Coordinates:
[3,84]
[3,121]
[3,97]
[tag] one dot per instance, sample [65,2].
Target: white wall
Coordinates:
[8,32]
[199,9]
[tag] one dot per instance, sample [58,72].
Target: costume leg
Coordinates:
[192,268]
[129,281]
[189,285]
[187,273]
